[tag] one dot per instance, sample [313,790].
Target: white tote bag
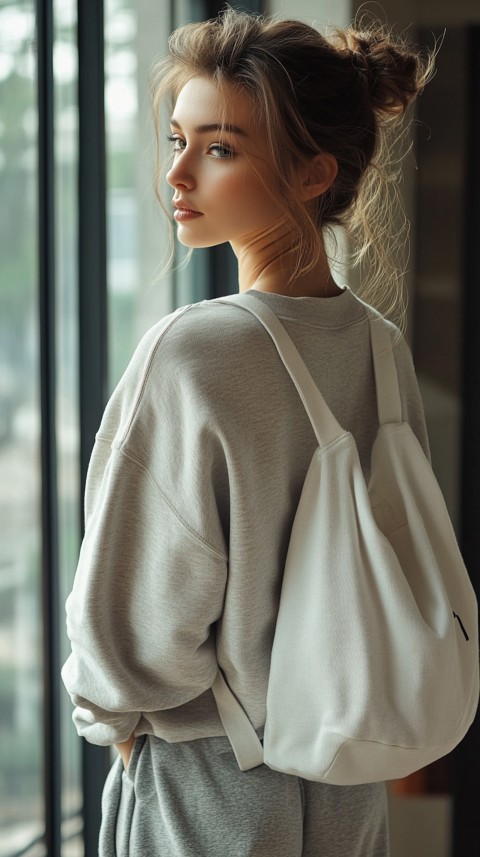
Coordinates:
[374,670]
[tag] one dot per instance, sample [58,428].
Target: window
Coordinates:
[54,275]
[21,668]
[135,33]
[138,294]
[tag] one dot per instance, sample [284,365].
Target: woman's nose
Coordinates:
[179,175]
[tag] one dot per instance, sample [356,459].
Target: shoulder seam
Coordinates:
[146,373]
[213,550]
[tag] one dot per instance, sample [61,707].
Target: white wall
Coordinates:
[320,13]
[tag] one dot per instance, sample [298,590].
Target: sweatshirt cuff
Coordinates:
[119,728]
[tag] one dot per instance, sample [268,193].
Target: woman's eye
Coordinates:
[219,151]
[178,143]
[216,150]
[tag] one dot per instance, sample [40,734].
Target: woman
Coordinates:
[277,133]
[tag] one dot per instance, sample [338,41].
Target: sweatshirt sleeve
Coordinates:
[140,617]
[149,586]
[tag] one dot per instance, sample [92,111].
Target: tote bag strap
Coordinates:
[389,404]
[324,424]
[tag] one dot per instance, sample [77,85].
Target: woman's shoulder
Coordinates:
[207,324]
[198,330]
[191,334]
[190,355]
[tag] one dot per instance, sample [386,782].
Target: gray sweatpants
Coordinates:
[191,800]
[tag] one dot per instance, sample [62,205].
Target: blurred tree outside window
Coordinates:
[21,735]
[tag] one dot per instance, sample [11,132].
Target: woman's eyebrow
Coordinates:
[214,126]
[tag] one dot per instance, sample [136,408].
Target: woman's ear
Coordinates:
[318,176]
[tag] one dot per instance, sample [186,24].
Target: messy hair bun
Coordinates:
[393,73]
[346,94]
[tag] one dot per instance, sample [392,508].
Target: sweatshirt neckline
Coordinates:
[338,311]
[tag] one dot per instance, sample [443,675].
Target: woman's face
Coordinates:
[218,195]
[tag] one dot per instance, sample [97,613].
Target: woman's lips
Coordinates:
[183,212]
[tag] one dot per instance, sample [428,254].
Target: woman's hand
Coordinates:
[125,750]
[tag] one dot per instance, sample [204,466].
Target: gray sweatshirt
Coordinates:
[192,488]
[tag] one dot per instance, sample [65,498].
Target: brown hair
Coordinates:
[345,94]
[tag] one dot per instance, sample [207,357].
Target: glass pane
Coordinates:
[21,739]
[135,34]
[69,512]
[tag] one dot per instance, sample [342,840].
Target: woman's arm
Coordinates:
[146,596]
[150,582]
[125,750]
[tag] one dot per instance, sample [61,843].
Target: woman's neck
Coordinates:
[266,262]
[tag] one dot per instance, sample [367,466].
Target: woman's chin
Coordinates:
[189,241]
